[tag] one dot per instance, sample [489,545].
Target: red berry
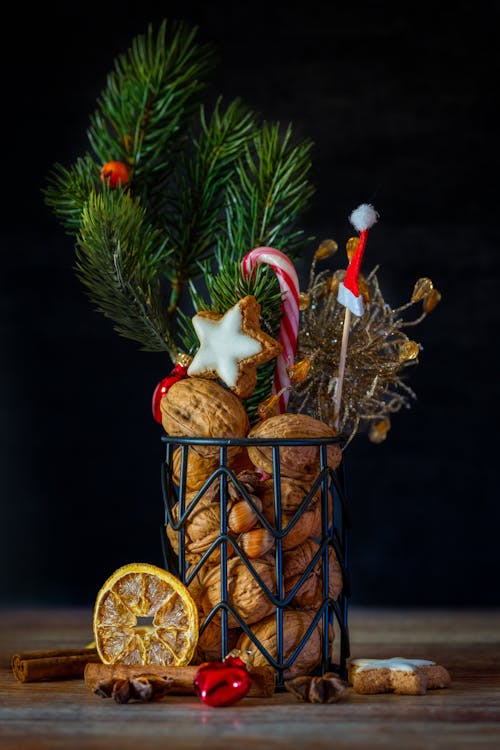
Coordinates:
[115,173]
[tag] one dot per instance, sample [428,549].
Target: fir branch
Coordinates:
[68,190]
[267,195]
[119,257]
[201,179]
[148,100]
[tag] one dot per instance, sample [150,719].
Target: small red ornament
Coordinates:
[178,373]
[115,173]
[222,683]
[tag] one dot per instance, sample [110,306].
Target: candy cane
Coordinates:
[289,284]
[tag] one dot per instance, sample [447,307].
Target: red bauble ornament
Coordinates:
[115,173]
[178,373]
[222,683]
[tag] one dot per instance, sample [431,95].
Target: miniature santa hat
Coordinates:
[362,218]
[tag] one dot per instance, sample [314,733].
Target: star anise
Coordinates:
[143,688]
[326,689]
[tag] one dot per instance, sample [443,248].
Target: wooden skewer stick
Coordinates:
[342,360]
[362,218]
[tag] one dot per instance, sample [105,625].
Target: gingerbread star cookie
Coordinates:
[397,675]
[232,346]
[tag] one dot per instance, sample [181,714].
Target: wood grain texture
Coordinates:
[61,714]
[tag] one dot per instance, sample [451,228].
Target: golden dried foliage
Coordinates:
[379,352]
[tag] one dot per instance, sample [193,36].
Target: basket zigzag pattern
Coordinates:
[330,613]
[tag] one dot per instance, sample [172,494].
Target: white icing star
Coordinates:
[222,345]
[397,664]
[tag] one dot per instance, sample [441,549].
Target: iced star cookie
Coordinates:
[232,346]
[397,675]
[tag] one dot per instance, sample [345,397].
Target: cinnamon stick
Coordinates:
[263,678]
[52,665]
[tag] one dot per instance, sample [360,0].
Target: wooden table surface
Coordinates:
[65,714]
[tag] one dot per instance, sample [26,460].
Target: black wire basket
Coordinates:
[330,616]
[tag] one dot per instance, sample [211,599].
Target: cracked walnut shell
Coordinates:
[307,525]
[310,593]
[295,625]
[244,593]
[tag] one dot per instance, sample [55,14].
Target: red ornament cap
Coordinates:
[178,373]
[222,683]
[115,173]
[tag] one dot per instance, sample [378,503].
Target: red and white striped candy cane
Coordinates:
[289,284]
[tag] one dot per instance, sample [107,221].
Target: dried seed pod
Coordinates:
[325,250]
[244,593]
[325,689]
[121,691]
[378,431]
[310,594]
[296,461]
[421,289]
[295,625]
[242,517]
[408,351]
[141,688]
[199,407]
[256,542]
[432,300]
[351,247]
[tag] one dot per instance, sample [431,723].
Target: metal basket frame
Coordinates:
[334,614]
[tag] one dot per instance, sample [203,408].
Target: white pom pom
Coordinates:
[363,217]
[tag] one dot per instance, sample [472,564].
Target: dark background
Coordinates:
[400,102]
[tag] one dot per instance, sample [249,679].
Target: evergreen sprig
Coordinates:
[118,260]
[148,100]
[201,178]
[68,191]
[205,188]
[268,193]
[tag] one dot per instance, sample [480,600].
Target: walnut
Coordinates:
[202,528]
[201,408]
[310,594]
[295,625]
[202,524]
[296,461]
[209,646]
[244,593]
[292,492]
[198,468]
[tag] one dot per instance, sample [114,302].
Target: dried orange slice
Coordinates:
[145,615]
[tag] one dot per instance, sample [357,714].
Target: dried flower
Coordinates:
[378,353]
